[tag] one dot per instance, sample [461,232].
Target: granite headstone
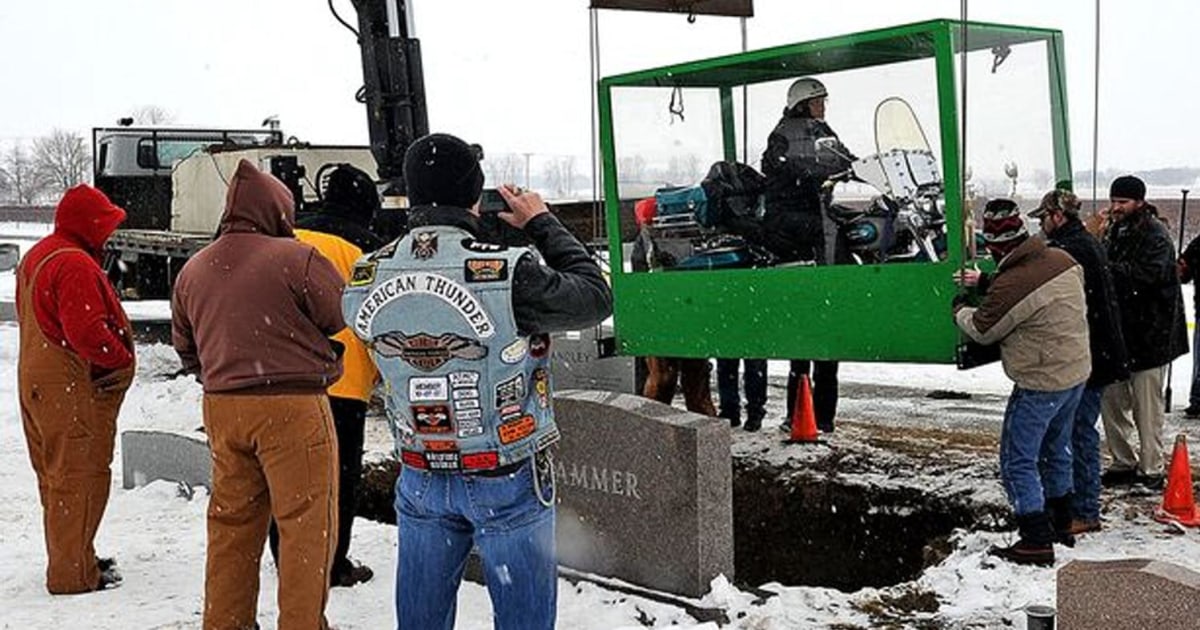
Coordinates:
[1133,593]
[577,364]
[151,455]
[645,492]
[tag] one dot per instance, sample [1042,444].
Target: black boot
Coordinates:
[1036,545]
[1060,517]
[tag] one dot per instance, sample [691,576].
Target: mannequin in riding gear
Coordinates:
[803,152]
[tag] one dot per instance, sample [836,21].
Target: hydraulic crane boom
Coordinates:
[393,85]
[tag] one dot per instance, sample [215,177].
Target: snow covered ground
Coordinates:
[158,536]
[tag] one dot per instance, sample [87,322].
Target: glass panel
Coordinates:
[1009,136]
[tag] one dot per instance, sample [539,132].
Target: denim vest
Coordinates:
[464,390]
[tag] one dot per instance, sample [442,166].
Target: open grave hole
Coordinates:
[824,521]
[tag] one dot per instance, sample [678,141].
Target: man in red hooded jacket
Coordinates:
[75,364]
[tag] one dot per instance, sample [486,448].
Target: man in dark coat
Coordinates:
[1058,213]
[1141,256]
[349,204]
[1189,270]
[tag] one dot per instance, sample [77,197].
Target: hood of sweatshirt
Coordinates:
[257,202]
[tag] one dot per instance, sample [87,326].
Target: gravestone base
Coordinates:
[1132,593]
[151,455]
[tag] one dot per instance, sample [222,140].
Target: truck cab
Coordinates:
[133,165]
[172,183]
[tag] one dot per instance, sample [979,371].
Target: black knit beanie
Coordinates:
[442,170]
[351,192]
[1127,187]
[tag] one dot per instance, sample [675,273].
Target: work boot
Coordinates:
[1151,482]
[734,420]
[109,578]
[1118,477]
[1081,526]
[753,423]
[1036,543]
[1192,411]
[105,564]
[1060,517]
[349,574]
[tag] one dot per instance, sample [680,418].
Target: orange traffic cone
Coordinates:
[804,420]
[1179,503]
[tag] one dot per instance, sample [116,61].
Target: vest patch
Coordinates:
[541,386]
[424,245]
[442,460]
[460,298]
[547,440]
[481,461]
[464,379]
[426,352]
[428,389]
[515,351]
[363,274]
[413,459]
[431,419]
[485,269]
[510,392]
[518,429]
[477,246]
[387,251]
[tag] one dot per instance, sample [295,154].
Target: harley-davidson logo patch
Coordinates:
[427,352]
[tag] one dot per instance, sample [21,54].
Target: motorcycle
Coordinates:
[906,221]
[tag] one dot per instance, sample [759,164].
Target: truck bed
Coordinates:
[159,242]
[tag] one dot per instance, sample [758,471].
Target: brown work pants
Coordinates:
[664,375]
[70,422]
[273,455]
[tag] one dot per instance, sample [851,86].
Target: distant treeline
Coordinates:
[1175,176]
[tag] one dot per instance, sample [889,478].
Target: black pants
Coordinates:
[754,382]
[349,419]
[824,389]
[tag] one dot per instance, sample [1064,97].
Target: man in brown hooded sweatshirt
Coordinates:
[75,363]
[252,313]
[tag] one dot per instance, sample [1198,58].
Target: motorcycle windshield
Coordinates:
[896,127]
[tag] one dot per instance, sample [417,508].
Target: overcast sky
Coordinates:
[514,74]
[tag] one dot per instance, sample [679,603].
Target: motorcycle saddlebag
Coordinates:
[682,201]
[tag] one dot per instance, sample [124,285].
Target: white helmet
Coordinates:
[804,89]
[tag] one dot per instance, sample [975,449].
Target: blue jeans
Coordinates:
[1035,447]
[1085,451]
[754,380]
[441,515]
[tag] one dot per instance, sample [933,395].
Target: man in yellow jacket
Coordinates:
[348,399]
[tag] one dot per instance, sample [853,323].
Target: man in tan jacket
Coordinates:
[252,313]
[1034,307]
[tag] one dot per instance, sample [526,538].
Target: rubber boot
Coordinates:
[1036,545]
[1060,517]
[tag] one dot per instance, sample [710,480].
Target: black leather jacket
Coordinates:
[567,293]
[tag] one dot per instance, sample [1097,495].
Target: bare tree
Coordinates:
[560,175]
[684,170]
[61,160]
[152,115]
[506,168]
[632,169]
[20,177]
